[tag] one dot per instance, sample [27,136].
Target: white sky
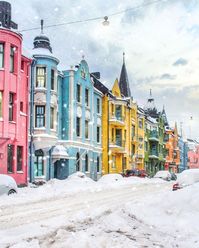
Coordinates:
[161,42]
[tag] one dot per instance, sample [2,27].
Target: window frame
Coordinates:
[2,55]
[86,129]
[40,116]
[10,161]
[20,159]
[39,77]
[78,127]
[12,59]
[87,98]
[78,93]
[98,106]
[11,106]
[39,161]
[1,104]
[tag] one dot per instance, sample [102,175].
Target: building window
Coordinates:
[112,109]
[98,164]
[12,55]
[39,163]
[21,106]
[78,127]
[86,129]
[98,134]
[22,65]
[133,131]
[52,79]
[78,93]
[113,134]
[52,114]
[124,163]
[1,55]
[87,97]
[41,77]
[113,162]
[124,134]
[86,163]
[83,73]
[98,106]
[10,153]
[40,116]
[140,124]
[1,104]
[78,162]
[11,107]
[19,158]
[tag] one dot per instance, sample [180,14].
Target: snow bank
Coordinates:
[111,178]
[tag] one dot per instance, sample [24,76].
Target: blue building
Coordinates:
[80,121]
[46,160]
[183,146]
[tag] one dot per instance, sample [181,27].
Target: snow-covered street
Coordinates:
[78,212]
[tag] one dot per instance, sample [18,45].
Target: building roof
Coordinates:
[164,116]
[150,107]
[42,41]
[124,82]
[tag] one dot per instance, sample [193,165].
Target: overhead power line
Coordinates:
[96,18]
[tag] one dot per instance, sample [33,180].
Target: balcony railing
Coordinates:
[117,142]
[153,136]
[153,153]
[119,118]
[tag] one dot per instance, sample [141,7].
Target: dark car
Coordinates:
[135,172]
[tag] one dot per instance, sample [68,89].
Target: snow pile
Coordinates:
[111,178]
[175,213]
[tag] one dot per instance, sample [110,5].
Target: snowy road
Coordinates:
[40,218]
[81,213]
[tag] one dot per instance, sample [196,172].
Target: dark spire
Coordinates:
[150,108]
[124,82]
[6,16]
[42,41]
[164,116]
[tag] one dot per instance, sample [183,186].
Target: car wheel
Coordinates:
[11,191]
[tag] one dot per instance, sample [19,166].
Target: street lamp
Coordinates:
[106,22]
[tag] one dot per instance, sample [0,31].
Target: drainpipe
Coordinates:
[31,171]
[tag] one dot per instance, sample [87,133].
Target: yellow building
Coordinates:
[119,128]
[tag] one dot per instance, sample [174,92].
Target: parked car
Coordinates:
[7,185]
[186,178]
[163,174]
[135,172]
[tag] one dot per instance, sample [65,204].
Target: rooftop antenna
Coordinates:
[123,57]
[42,26]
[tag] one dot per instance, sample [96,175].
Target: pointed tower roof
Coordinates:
[124,82]
[42,41]
[164,116]
[150,108]
[116,89]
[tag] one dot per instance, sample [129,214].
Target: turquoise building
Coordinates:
[47,159]
[80,120]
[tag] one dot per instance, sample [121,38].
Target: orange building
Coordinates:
[172,149]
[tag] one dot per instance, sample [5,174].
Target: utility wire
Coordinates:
[95,18]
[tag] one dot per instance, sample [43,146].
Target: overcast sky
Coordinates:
[161,42]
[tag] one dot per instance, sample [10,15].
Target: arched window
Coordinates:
[39,163]
[98,164]
[78,162]
[86,162]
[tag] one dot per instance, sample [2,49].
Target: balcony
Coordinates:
[117,120]
[153,136]
[117,145]
[153,154]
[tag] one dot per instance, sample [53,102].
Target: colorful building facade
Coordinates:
[154,138]
[81,121]
[183,146]
[172,149]
[14,111]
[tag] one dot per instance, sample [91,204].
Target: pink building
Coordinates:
[193,158]
[14,84]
